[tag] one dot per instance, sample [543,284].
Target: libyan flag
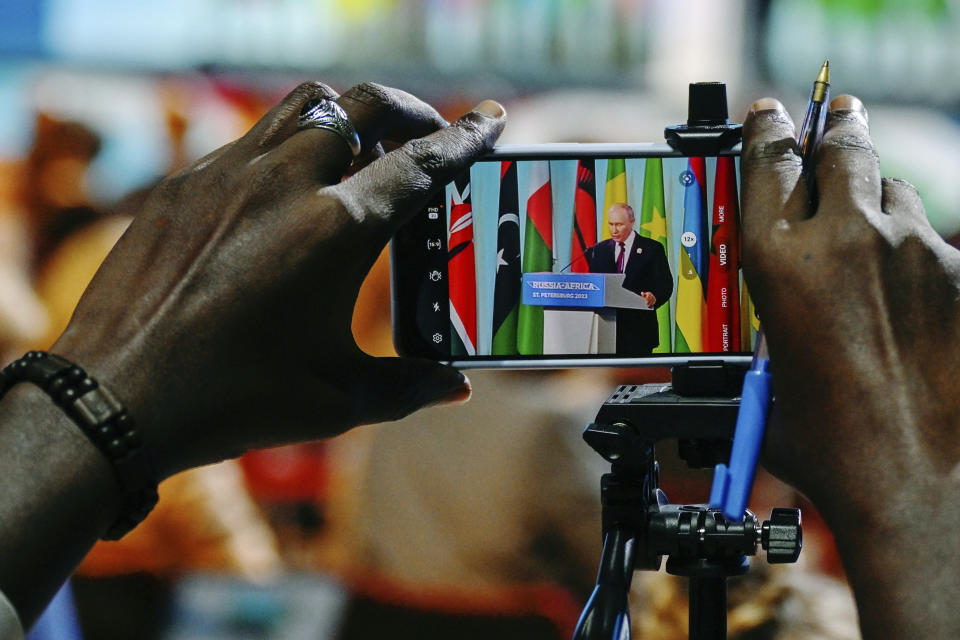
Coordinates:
[506,288]
[462,271]
[691,304]
[653,224]
[537,254]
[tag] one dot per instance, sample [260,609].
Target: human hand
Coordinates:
[650,298]
[221,319]
[860,300]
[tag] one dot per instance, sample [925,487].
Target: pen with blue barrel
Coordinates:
[732,485]
[811,131]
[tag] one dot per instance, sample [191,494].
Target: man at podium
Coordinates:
[643,262]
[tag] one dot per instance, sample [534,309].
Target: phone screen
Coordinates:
[618,256]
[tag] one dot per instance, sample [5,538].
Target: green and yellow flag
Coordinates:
[749,321]
[615,191]
[653,224]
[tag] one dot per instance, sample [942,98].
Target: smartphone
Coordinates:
[566,255]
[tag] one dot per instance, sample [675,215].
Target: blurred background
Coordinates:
[100,98]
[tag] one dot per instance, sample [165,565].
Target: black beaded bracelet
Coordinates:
[103,420]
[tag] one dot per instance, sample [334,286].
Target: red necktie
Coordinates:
[620,258]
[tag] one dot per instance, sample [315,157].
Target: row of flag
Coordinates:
[709,303]
[713,312]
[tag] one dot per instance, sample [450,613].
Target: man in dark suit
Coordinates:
[643,262]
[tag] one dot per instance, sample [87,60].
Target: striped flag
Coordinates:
[615,191]
[506,288]
[749,321]
[461,270]
[691,304]
[537,254]
[584,216]
[723,295]
[653,224]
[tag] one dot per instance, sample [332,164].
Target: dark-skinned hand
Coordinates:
[221,319]
[860,301]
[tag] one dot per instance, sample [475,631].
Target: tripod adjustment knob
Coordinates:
[782,536]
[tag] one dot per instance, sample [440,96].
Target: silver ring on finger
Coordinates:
[322,113]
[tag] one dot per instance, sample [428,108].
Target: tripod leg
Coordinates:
[606,616]
[708,608]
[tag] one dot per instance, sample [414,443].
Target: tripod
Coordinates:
[640,526]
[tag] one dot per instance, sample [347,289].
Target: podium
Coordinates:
[579,309]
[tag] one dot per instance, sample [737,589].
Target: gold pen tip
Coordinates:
[824,75]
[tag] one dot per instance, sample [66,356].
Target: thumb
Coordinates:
[399,386]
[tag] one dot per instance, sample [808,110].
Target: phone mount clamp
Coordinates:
[699,409]
[707,131]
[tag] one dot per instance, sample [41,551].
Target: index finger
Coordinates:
[388,191]
[770,167]
[381,112]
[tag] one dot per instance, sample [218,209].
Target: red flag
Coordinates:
[723,296]
[462,270]
[584,216]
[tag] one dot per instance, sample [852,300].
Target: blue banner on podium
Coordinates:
[563,289]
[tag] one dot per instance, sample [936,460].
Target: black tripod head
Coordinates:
[640,526]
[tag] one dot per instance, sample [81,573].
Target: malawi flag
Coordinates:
[462,271]
[537,254]
[615,191]
[723,291]
[691,304]
[584,216]
[506,288]
[653,224]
